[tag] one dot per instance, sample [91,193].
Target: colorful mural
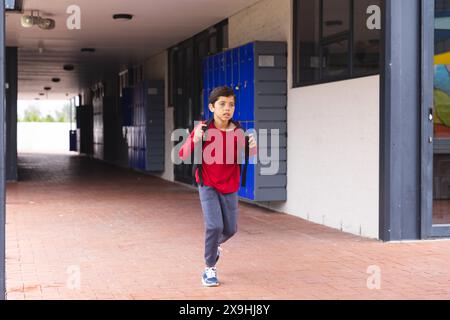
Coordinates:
[442,100]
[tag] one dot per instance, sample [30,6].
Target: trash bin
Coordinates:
[73,140]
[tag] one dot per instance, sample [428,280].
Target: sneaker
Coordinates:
[209,278]
[219,250]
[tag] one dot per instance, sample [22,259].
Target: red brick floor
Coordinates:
[79,229]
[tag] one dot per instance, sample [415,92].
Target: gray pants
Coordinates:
[220,217]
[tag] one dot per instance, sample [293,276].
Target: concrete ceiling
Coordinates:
[156,25]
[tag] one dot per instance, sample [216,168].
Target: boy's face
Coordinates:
[223,108]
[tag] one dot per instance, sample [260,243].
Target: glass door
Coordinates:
[440,117]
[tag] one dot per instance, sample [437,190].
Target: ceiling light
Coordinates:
[56,79]
[34,19]
[46,24]
[29,21]
[122,16]
[68,67]
[87,49]
[47,88]
[41,94]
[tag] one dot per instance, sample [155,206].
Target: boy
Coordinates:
[218,177]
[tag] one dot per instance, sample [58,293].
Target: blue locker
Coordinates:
[130,137]
[239,73]
[138,111]
[145,137]
[143,144]
[139,137]
[250,187]
[229,68]
[216,64]
[205,85]
[235,87]
[126,106]
[211,86]
[242,79]
[210,74]
[222,70]
[246,67]
[250,84]
[136,137]
[243,191]
[235,67]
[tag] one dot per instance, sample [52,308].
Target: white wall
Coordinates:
[156,68]
[333,168]
[267,20]
[333,134]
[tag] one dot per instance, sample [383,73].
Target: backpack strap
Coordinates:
[198,166]
[247,160]
[244,168]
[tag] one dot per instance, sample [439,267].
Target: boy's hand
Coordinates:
[199,132]
[252,141]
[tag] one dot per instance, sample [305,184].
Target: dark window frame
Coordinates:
[326,40]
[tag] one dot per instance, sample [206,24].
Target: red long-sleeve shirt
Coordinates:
[217,172]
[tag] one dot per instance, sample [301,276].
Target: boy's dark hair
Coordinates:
[218,92]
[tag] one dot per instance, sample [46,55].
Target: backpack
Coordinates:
[246,151]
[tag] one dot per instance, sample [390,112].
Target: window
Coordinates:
[335,40]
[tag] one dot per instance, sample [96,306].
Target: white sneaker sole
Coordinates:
[210,285]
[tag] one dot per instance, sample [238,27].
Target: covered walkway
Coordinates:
[81,229]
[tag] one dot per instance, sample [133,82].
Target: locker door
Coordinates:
[210,85]
[145,137]
[222,69]
[235,76]
[216,63]
[250,84]
[243,79]
[229,68]
[205,86]
[246,79]
[141,137]
[243,191]
[210,72]
[250,187]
